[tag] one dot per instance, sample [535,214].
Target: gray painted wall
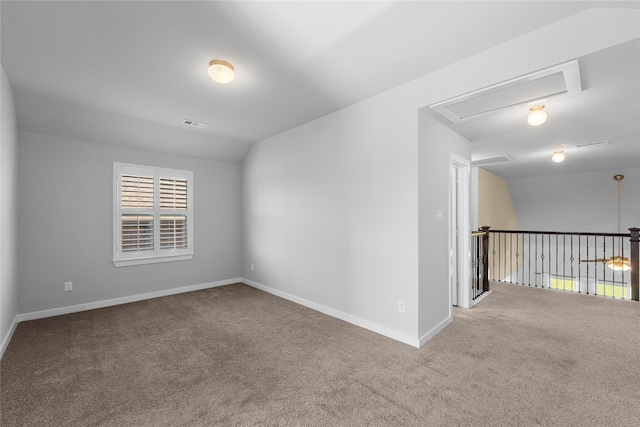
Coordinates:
[577,202]
[65,224]
[436,143]
[330,214]
[8,211]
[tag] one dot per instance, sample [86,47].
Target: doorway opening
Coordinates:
[459,231]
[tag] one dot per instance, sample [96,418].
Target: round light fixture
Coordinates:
[558,156]
[618,263]
[221,71]
[537,115]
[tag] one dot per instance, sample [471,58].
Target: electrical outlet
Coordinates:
[252,267]
[68,286]
[401,307]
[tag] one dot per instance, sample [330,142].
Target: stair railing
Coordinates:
[567,261]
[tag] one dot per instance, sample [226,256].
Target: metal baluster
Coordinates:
[504,256]
[511,258]
[564,261]
[595,267]
[549,261]
[476,263]
[493,256]
[587,265]
[613,276]
[517,258]
[624,284]
[542,262]
[556,258]
[529,257]
[536,264]
[572,259]
[604,270]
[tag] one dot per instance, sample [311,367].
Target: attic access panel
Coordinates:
[543,84]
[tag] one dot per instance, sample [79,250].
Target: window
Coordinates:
[562,283]
[613,289]
[153,215]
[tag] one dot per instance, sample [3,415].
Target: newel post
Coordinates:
[485,258]
[635,257]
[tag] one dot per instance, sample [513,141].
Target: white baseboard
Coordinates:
[117,301]
[434,331]
[354,320]
[374,327]
[7,338]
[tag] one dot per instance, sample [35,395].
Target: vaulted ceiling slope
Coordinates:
[130,73]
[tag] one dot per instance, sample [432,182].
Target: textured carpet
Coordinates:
[237,356]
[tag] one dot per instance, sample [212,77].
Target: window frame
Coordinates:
[158,253]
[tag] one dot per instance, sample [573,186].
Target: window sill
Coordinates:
[141,261]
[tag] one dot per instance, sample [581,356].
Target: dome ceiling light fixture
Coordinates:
[558,156]
[221,71]
[537,115]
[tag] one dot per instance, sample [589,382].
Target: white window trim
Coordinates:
[157,255]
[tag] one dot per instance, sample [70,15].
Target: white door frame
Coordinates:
[459,231]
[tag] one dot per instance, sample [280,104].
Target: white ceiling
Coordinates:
[129,73]
[607,109]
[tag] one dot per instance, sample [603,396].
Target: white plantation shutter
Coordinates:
[173,232]
[137,192]
[153,218]
[173,194]
[136,196]
[137,233]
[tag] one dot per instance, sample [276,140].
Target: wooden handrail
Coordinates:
[568,233]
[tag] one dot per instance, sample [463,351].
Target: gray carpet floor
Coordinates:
[236,356]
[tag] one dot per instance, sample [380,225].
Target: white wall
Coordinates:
[436,143]
[333,210]
[330,216]
[577,202]
[8,213]
[65,224]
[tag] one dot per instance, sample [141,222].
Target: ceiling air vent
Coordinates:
[195,124]
[491,160]
[543,84]
[591,144]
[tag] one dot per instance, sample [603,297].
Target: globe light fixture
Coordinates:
[221,71]
[558,156]
[537,115]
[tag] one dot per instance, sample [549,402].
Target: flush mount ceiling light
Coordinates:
[221,71]
[537,115]
[558,156]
